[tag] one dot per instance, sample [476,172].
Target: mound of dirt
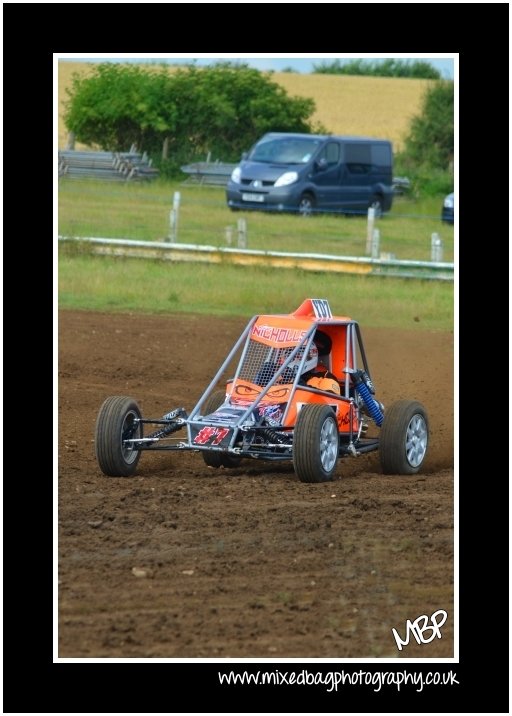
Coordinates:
[183,560]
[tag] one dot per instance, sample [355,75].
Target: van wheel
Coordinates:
[306,204]
[376,203]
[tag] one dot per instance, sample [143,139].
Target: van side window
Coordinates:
[331,153]
[381,155]
[358,158]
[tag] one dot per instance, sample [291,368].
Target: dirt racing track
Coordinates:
[186,561]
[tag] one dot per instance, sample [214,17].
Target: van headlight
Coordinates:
[236,175]
[286,178]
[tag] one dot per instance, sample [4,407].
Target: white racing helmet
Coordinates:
[310,363]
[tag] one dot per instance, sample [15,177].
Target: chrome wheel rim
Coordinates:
[127,432]
[416,440]
[328,445]
[306,207]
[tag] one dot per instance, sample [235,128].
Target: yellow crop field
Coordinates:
[369,106]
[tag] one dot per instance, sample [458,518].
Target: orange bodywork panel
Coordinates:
[287,331]
[279,331]
[341,407]
[244,393]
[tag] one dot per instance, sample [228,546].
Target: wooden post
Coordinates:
[369,230]
[173,218]
[375,244]
[242,234]
[436,248]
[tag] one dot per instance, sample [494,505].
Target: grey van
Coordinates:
[313,172]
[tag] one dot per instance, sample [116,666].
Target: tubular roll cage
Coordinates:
[242,424]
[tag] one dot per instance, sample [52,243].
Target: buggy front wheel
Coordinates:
[118,421]
[315,443]
[403,438]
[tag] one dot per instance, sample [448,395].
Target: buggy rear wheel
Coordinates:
[315,443]
[211,457]
[117,421]
[403,438]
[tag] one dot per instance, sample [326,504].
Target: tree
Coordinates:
[430,139]
[222,109]
[236,104]
[115,107]
[419,69]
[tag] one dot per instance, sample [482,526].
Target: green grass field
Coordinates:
[346,105]
[150,286]
[142,212]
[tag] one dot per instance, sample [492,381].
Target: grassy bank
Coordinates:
[136,285]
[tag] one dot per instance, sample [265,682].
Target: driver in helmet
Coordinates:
[314,373]
[310,363]
[317,375]
[269,368]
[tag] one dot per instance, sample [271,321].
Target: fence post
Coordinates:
[173,218]
[369,230]
[229,235]
[375,244]
[242,234]
[436,254]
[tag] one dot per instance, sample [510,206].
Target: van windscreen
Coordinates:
[285,150]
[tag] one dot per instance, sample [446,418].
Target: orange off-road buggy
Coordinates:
[296,387]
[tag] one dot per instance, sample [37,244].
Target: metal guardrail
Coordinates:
[441,271]
[210,173]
